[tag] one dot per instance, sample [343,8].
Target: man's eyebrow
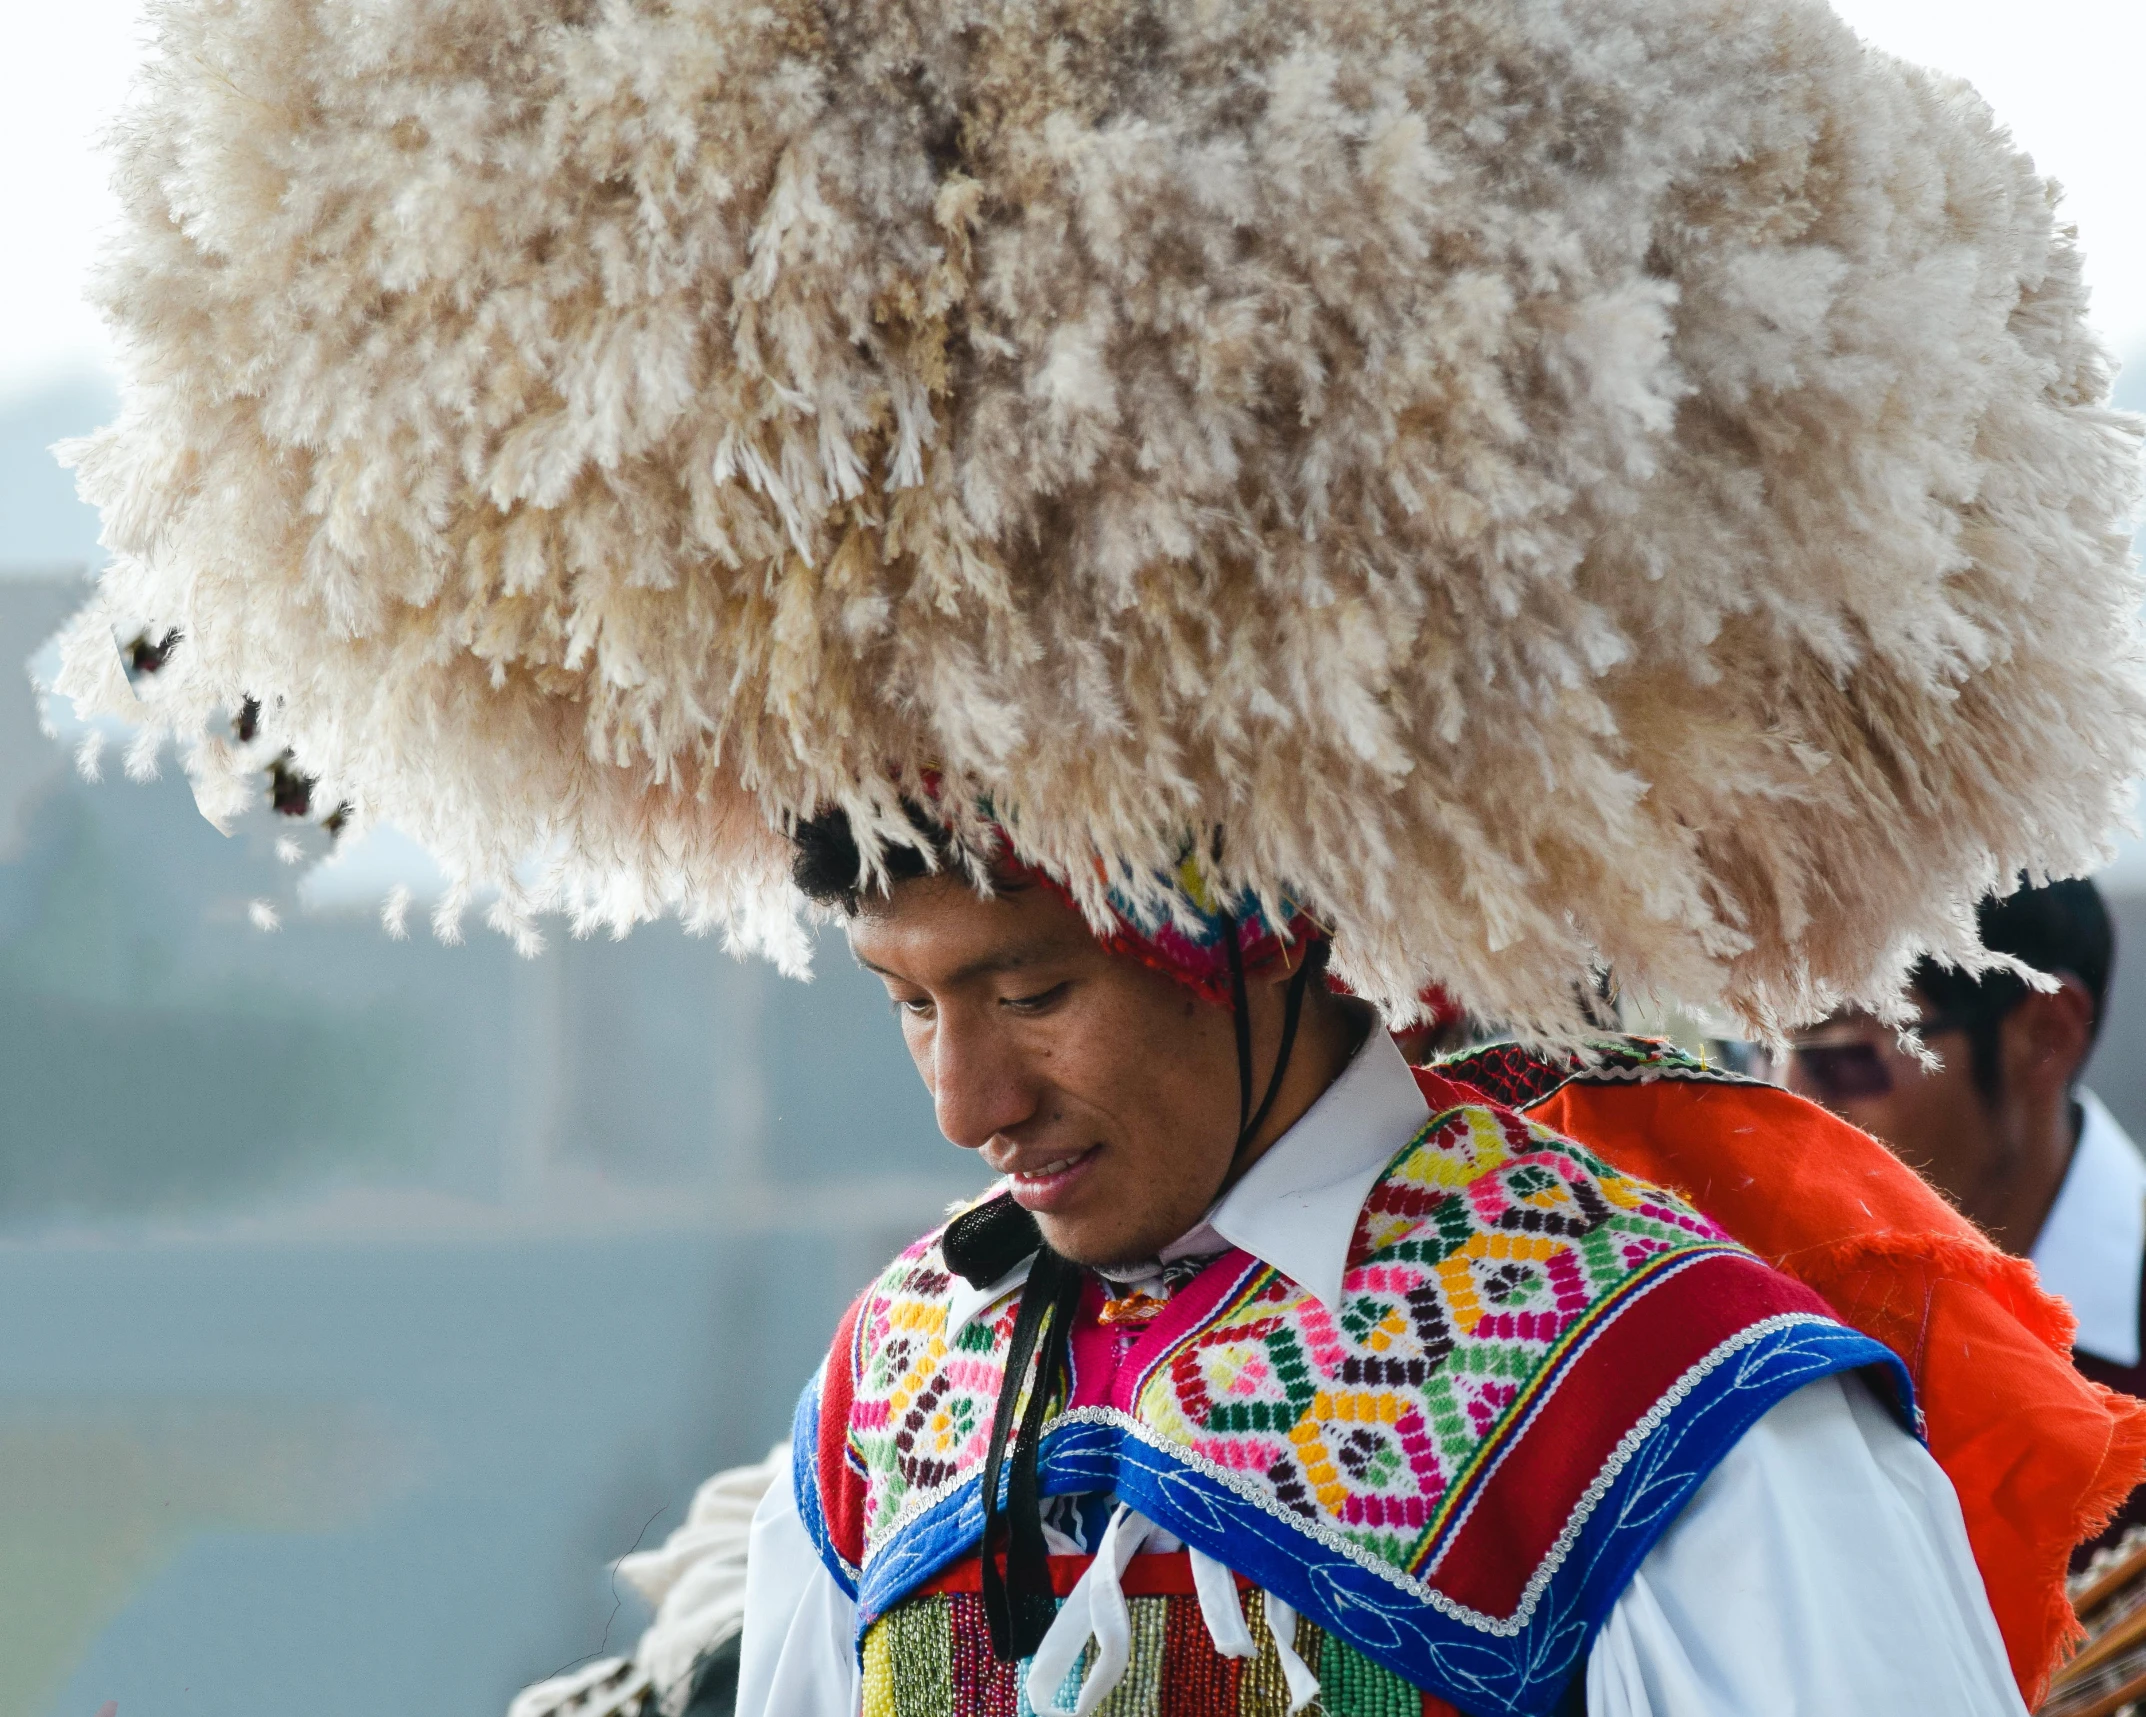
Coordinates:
[986,966]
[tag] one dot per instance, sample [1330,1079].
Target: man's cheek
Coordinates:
[1122,1186]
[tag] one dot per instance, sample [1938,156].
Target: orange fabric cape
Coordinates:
[2040,1457]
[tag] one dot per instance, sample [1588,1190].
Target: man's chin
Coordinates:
[1096,1243]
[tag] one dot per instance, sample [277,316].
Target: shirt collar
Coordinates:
[2093,1243]
[1296,1207]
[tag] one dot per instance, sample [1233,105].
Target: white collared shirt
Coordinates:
[1823,1566]
[2093,1242]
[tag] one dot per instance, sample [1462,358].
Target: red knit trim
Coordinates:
[842,1489]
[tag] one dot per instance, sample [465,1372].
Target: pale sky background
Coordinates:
[2069,76]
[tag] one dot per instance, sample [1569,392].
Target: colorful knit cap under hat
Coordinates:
[1189,941]
[1181,924]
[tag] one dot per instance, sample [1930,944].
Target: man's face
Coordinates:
[1999,1156]
[1107,1091]
[1935,1118]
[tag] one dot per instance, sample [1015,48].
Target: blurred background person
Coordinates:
[2001,1122]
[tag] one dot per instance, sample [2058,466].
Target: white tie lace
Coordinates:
[1095,1609]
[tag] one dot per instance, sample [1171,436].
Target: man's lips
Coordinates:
[1050,1183]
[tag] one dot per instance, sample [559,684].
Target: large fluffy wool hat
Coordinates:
[1546,484]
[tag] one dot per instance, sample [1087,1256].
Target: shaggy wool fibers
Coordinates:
[1556,483]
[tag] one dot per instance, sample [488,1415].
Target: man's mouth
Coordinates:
[1048,1185]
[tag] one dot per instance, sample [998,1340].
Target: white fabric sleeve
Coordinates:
[799,1654]
[1822,1567]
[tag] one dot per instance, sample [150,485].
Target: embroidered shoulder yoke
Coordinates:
[1455,1471]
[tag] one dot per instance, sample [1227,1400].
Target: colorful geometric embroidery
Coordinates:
[1478,1259]
[921,1417]
[1479,1256]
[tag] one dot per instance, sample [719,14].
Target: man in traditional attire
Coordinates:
[1374,1388]
[1148,508]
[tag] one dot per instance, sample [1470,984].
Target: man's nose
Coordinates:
[980,1085]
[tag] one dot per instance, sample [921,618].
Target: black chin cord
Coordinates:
[1248,1121]
[1020,1603]
[982,1246]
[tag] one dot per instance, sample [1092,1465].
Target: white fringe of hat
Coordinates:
[1556,483]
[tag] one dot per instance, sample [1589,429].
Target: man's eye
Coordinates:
[911,1007]
[1037,1002]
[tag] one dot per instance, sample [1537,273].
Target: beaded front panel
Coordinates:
[1481,1255]
[931,1657]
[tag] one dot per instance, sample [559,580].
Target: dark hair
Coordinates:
[2062,928]
[829,868]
